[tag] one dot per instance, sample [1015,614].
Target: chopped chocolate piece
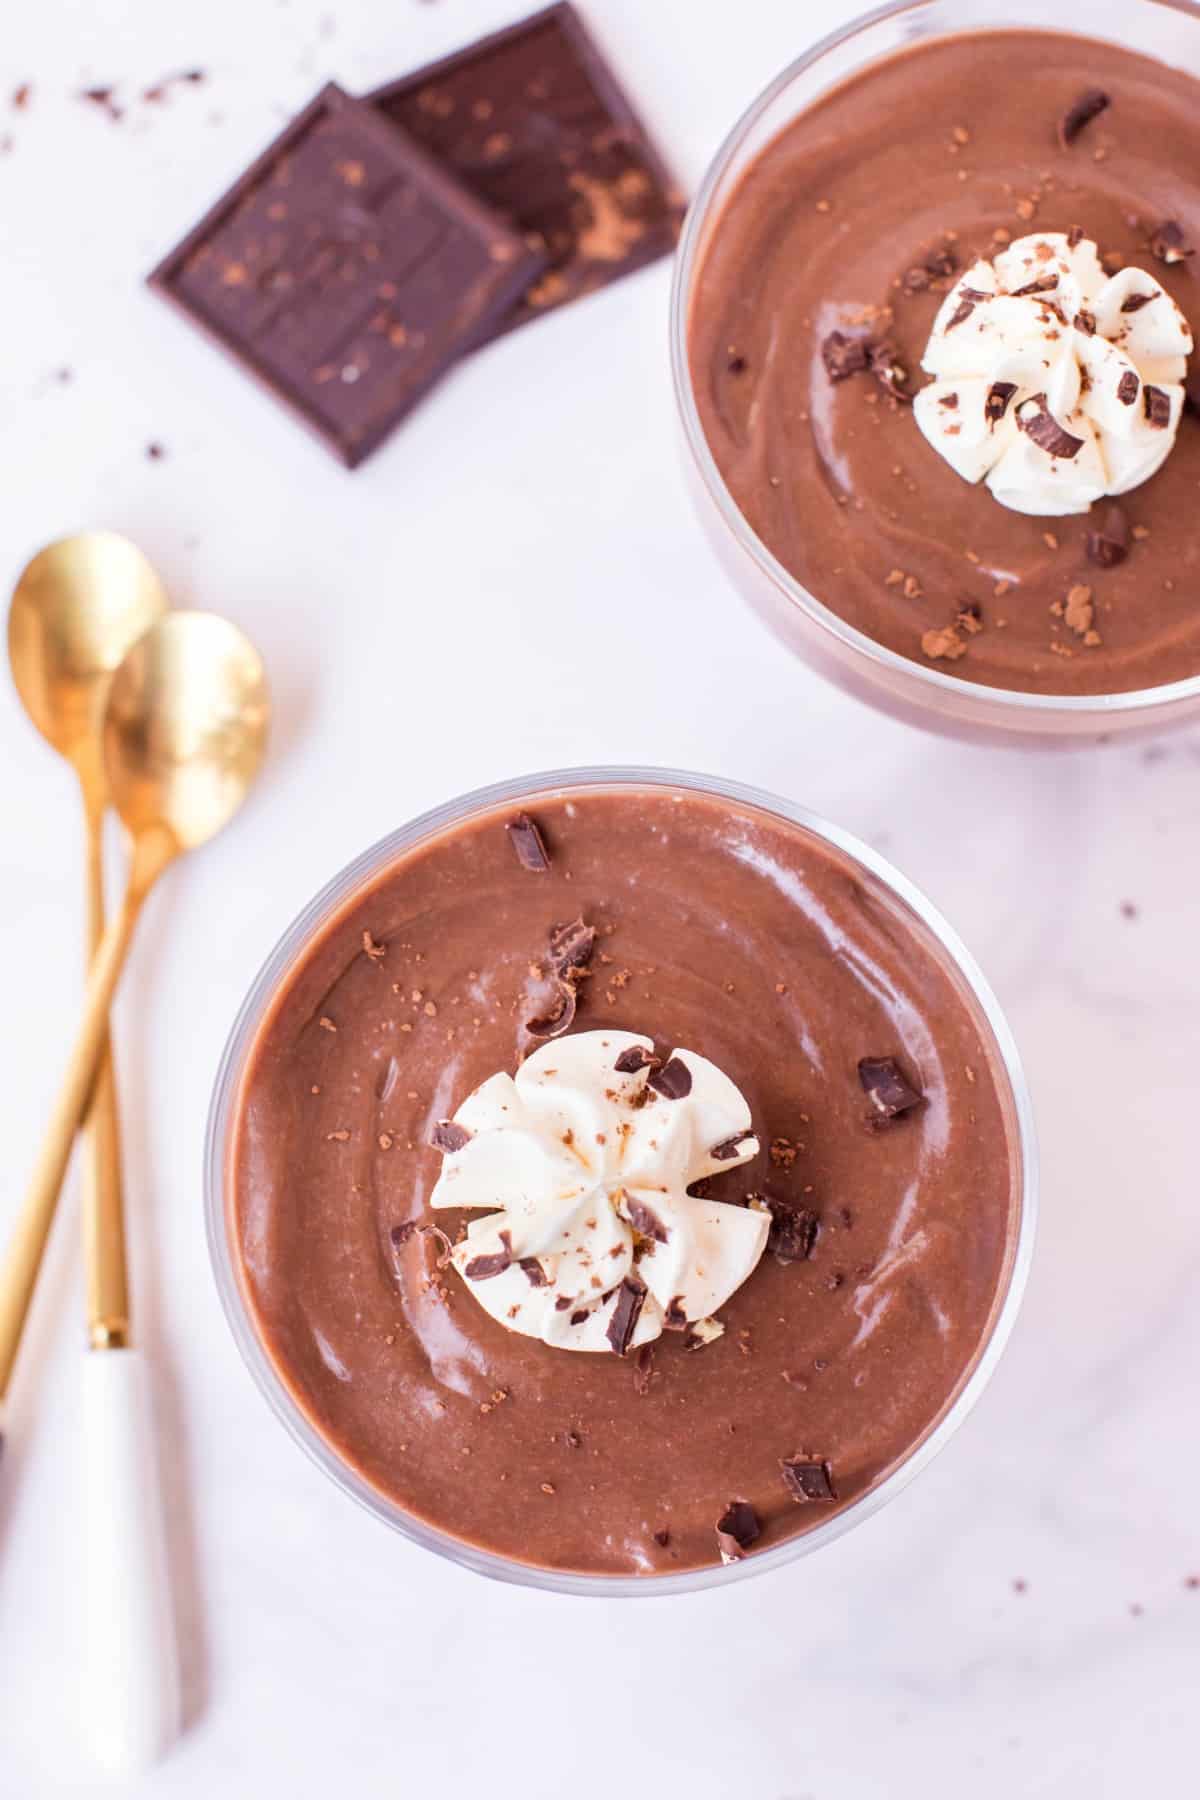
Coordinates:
[673,1081]
[1127,388]
[793,1233]
[1169,243]
[645,1220]
[561,1016]
[1042,284]
[571,947]
[1108,543]
[844,356]
[887,1087]
[1134,302]
[347,272]
[736,364]
[631,1297]
[533,122]
[726,1151]
[448,1137]
[1157,407]
[998,397]
[562,1301]
[950,402]
[888,370]
[483,1268]
[400,1234]
[577,1318]
[806,1479]
[674,1317]
[969,299]
[1044,429]
[737,1528]
[533,1271]
[1091,102]
[941,262]
[524,834]
[634,1059]
[1085,321]
[662,1539]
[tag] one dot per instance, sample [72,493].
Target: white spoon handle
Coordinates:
[131,1674]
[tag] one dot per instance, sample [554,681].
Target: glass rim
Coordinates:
[334,896]
[691,243]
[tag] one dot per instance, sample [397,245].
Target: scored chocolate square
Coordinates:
[533,121]
[347,271]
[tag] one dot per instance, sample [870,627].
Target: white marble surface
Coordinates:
[534,505]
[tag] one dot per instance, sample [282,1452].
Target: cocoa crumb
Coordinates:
[371,949]
[1079,612]
[326,1023]
[337,1137]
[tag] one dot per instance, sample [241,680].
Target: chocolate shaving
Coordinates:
[577,1318]
[968,301]
[793,1232]
[633,1060]
[448,1137]
[1043,284]
[482,1268]
[843,356]
[737,1528]
[884,360]
[561,1016]
[631,1297]
[1045,431]
[571,947]
[807,1479]
[1127,388]
[1169,243]
[1090,103]
[526,839]
[1108,544]
[1085,321]
[998,397]
[1133,303]
[533,1272]
[726,1151]
[400,1235]
[673,1081]
[887,1087]
[1157,406]
[645,1220]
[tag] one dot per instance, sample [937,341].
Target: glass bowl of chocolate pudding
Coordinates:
[837,232]
[863,1126]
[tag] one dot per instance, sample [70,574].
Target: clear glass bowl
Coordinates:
[1166,29]
[342,893]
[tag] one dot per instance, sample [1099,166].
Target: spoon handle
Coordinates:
[18,1275]
[103,1213]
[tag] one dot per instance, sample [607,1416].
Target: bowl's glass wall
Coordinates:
[1167,29]
[339,894]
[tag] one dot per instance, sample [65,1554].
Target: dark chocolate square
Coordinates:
[534,122]
[347,271]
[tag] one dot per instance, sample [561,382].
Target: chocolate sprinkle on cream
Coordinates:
[966,306]
[533,1271]
[636,1058]
[1108,544]
[1042,284]
[526,839]
[1127,388]
[729,1149]
[1090,103]
[998,397]
[806,1479]
[1134,302]
[674,1318]
[887,1087]
[448,1137]
[645,1220]
[1045,431]
[1169,243]
[737,1529]
[843,356]
[631,1297]
[1085,321]
[482,1268]
[673,1081]
[1157,407]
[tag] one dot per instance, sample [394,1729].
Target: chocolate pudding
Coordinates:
[882,1158]
[813,306]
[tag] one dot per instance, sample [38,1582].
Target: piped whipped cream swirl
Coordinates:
[583,1162]
[1054,381]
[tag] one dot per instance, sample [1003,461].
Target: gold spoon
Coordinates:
[183,737]
[77,608]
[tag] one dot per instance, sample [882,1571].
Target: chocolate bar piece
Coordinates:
[347,271]
[533,121]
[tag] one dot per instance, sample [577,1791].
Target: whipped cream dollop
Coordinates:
[1054,381]
[583,1162]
